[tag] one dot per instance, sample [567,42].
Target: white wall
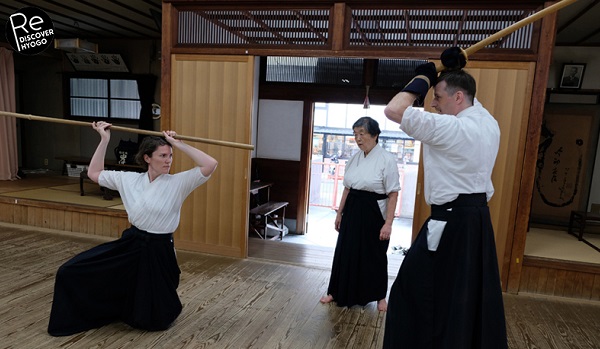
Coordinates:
[279,129]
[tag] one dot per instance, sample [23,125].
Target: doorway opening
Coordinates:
[332,146]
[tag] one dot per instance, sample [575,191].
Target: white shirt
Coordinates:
[153,206]
[376,172]
[459,151]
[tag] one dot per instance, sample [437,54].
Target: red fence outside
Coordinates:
[326,185]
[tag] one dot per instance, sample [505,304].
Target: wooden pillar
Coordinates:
[511,273]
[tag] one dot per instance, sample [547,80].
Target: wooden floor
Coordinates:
[241,303]
[310,256]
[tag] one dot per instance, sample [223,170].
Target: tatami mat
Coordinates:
[558,244]
[91,188]
[69,194]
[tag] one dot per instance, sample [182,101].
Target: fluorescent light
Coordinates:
[75,45]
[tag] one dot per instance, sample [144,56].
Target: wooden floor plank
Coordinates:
[265,316]
[242,303]
[306,255]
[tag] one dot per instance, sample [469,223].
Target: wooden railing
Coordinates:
[326,185]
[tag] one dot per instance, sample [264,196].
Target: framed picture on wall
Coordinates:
[572,75]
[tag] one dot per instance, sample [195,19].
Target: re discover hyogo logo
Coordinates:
[30,31]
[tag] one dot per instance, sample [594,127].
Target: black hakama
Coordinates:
[359,271]
[450,298]
[133,279]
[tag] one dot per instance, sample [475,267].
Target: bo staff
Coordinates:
[128,129]
[512,28]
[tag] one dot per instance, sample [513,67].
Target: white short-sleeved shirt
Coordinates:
[153,206]
[377,172]
[459,151]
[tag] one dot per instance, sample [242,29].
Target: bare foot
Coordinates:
[326,299]
[382,305]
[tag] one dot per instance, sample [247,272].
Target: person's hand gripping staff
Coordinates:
[425,77]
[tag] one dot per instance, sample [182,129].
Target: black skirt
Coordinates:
[359,269]
[133,279]
[450,298]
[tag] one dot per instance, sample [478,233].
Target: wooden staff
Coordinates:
[127,129]
[512,28]
[466,52]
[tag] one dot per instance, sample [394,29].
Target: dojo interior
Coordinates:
[232,83]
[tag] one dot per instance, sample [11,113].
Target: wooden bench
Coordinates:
[265,218]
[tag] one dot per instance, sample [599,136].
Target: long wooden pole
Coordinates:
[512,28]
[468,51]
[128,129]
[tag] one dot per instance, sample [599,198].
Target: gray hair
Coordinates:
[370,125]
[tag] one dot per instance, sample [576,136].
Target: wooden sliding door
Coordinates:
[211,97]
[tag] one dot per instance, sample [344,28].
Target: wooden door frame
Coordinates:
[515,243]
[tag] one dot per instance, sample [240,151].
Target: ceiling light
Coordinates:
[75,45]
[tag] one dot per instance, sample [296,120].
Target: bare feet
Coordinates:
[382,305]
[326,299]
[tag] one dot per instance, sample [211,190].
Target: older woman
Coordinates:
[135,278]
[364,222]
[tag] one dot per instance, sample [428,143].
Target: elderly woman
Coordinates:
[364,222]
[135,278]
